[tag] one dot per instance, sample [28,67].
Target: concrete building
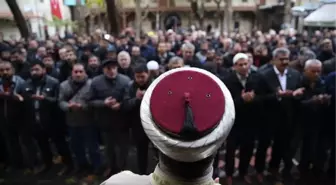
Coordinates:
[37,14]
[158,10]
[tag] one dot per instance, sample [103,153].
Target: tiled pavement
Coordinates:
[17,178]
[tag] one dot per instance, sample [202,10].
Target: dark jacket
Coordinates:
[195,62]
[93,72]
[127,72]
[131,104]
[278,111]
[53,72]
[45,114]
[246,112]
[10,107]
[102,88]
[329,66]
[310,112]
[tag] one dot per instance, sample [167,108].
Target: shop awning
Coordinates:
[306,7]
[322,17]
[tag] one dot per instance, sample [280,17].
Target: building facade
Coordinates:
[157,11]
[37,14]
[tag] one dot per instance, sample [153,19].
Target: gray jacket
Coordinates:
[79,117]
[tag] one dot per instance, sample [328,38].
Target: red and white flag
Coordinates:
[55,9]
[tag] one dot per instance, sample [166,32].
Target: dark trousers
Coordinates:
[3,154]
[84,138]
[116,148]
[244,139]
[326,142]
[43,135]
[141,141]
[308,148]
[281,149]
[11,139]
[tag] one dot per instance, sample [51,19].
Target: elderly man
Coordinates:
[278,87]
[188,55]
[313,103]
[187,137]
[175,62]
[242,83]
[124,61]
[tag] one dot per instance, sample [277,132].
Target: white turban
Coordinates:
[239,56]
[152,65]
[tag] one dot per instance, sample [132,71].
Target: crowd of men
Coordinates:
[79,92]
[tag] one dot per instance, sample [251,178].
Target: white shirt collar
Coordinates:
[278,72]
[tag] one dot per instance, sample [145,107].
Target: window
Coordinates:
[236,25]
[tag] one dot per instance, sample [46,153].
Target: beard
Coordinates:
[6,77]
[36,78]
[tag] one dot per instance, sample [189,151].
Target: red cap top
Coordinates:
[187,95]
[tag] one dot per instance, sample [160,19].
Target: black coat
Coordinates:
[127,72]
[246,112]
[279,112]
[48,107]
[310,112]
[102,88]
[10,106]
[131,105]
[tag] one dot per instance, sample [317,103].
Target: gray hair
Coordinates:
[175,60]
[283,51]
[125,54]
[308,54]
[188,46]
[312,62]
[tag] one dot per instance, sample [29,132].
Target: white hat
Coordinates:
[170,31]
[152,65]
[239,56]
[180,118]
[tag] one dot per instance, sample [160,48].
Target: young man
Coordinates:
[40,93]
[10,111]
[131,103]
[72,100]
